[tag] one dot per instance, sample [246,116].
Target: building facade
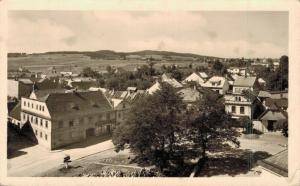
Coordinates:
[60,119]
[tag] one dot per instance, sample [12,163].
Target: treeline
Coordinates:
[16,54]
[277,79]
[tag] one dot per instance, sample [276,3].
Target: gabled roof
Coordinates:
[218,82]
[16,112]
[42,95]
[245,81]
[77,103]
[277,163]
[272,115]
[276,103]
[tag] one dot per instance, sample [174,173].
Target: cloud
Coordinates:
[40,35]
[132,30]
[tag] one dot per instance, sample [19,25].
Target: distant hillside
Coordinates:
[109,54]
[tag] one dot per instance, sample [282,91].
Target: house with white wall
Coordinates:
[218,84]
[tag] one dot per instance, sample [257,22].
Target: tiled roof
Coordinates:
[277,163]
[77,103]
[244,81]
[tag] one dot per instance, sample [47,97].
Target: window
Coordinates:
[40,108]
[242,110]
[41,134]
[36,132]
[233,109]
[31,105]
[124,105]
[46,136]
[36,120]
[25,103]
[31,119]
[71,123]
[239,98]
[41,122]
[28,105]
[46,124]
[24,117]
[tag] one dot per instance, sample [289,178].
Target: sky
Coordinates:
[247,34]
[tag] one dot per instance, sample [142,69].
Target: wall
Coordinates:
[68,130]
[13,88]
[39,127]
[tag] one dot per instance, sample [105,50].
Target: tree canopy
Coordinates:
[160,130]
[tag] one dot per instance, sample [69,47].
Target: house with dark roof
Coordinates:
[275,115]
[275,166]
[57,118]
[122,101]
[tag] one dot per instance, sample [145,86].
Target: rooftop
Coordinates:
[245,81]
[277,163]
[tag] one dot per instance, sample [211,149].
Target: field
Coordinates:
[76,62]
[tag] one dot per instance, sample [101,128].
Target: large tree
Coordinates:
[211,128]
[161,130]
[151,127]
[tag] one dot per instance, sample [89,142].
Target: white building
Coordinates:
[199,78]
[238,103]
[218,84]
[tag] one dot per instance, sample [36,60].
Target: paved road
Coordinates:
[37,159]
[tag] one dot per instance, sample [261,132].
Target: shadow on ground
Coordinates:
[88,142]
[233,163]
[16,141]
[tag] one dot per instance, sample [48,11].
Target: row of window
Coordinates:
[35,120]
[41,135]
[81,120]
[32,105]
[242,110]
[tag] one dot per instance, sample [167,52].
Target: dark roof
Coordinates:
[277,163]
[276,103]
[77,103]
[245,81]
[42,95]
[16,112]
[84,85]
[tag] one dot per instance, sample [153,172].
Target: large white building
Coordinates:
[198,77]
[57,119]
[238,103]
